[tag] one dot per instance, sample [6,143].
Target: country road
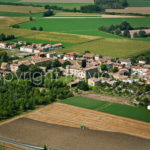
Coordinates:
[22,145]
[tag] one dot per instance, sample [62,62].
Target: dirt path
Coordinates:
[119,100]
[94,16]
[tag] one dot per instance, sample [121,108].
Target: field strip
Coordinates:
[68,115]
[100,16]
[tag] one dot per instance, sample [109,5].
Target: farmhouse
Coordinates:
[12,46]
[51,55]
[28,49]
[5,66]
[82,73]
[126,62]
[14,67]
[3,45]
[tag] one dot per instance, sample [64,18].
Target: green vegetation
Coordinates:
[115,4]
[112,108]
[139,3]
[112,47]
[85,26]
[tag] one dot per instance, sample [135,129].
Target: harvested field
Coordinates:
[73,116]
[68,138]
[139,10]
[21,9]
[60,1]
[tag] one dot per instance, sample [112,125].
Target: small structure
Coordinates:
[126,62]
[5,66]
[28,49]
[51,55]
[148,107]
[73,84]
[94,81]
[3,45]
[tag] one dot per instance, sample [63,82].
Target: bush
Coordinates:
[33,28]
[126,33]
[40,28]
[83,86]
[48,13]
[90,9]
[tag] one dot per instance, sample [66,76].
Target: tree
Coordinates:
[2,37]
[126,33]
[142,34]
[23,68]
[90,9]
[103,67]
[83,64]
[33,28]
[30,18]
[118,32]
[45,147]
[40,28]
[56,63]
[48,13]
[135,35]
[125,26]
[66,63]
[82,85]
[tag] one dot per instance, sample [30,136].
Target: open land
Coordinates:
[85,26]
[68,138]
[20,9]
[139,10]
[68,115]
[60,1]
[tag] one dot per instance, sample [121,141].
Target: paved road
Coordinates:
[22,145]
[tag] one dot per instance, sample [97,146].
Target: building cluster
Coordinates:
[87,66]
[33,48]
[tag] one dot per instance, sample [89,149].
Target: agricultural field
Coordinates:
[135,10]
[34,132]
[76,116]
[111,47]
[21,9]
[40,37]
[139,3]
[84,26]
[112,108]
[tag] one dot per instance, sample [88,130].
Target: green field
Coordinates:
[84,26]
[112,108]
[139,3]
[112,47]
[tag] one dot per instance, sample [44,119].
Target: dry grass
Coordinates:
[60,1]
[21,9]
[68,115]
[140,10]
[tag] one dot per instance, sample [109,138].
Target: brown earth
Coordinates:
[119,100]
[60,1]
[140,10]
[73,116]
[68,138]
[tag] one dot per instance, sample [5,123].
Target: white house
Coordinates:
[142,62]
[51,55]
[28,49]
[126,62]
[3,45]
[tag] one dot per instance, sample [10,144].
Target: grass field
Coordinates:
[112,108]
[139,3]
[112,47]
[33,36]
[84,26]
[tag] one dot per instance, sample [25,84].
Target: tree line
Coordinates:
[4,37]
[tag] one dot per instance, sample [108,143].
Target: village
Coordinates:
[81,66]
